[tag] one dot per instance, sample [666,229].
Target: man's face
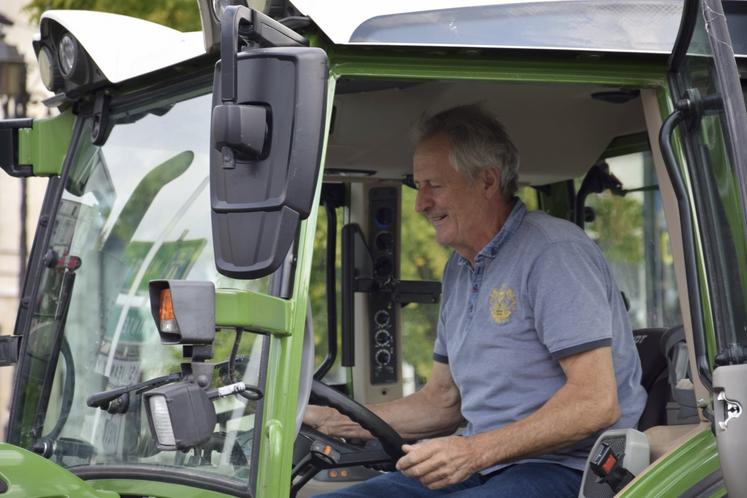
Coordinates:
[455,208]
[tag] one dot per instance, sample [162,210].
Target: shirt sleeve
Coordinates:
[569,288]
[439,349]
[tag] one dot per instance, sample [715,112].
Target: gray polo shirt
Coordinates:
[540,290]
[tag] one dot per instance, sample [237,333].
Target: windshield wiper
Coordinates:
[118,400]
[68,264]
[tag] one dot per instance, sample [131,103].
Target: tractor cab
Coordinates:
[229,233]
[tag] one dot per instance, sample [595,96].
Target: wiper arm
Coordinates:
[118,400]
[67,264]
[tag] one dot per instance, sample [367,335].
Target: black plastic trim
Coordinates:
[9,347]
[706,486]
[9,147]
[685,34]
[348,293]
[258,28]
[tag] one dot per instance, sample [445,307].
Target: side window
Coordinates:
[630,228]
[318,293]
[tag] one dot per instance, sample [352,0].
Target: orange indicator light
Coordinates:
[167,306]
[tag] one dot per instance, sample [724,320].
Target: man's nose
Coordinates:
[422,200]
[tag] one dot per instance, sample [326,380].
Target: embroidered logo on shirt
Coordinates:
[502,304]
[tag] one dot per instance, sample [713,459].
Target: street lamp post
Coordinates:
[13,99]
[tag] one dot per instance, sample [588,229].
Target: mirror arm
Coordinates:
[103,399]
[9,147]
[261,29]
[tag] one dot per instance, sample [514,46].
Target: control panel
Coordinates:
[383,233]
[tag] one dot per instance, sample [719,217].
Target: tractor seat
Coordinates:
[663,356]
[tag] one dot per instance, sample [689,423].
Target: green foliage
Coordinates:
[318,286]
[422,258]
[182,15]
[618,227]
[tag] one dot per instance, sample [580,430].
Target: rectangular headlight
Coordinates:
[159,412]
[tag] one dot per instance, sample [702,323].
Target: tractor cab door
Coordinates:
[710,125]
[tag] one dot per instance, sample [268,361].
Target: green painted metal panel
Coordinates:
[28,474]
[673,475]
[284,364]
[252,311]
[45,145]
[155,489]
[496,65]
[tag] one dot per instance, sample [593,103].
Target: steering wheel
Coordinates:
[391,441]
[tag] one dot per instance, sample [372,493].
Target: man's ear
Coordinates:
[491,181]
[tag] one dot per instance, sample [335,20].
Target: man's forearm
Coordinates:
[419,415]
[568,417]
[416,416]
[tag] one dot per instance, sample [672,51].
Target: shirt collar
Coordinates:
[509,227]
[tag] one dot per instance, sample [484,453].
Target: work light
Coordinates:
[68,55]
[50,72]
[181,416]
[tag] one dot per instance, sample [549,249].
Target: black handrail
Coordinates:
[688,243]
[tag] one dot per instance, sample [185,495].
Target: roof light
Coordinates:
[50,72]
[68,54]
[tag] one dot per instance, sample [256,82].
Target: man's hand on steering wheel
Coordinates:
[333,423]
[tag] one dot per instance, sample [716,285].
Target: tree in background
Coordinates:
[182,15]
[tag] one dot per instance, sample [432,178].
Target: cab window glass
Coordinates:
[630,228]
[133,210]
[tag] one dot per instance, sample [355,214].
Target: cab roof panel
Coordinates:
[630,26]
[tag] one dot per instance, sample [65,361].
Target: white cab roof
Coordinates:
[647,26]
[125,47]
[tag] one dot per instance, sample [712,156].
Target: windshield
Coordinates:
[133,210]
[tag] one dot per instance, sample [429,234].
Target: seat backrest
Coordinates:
[682,407]
[654,376]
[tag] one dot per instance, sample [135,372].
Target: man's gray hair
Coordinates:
[477,141]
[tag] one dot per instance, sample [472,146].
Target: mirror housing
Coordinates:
[192,307]
[267,132]
[181,416]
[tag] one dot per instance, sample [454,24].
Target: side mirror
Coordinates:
[181,416]
[269,108]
